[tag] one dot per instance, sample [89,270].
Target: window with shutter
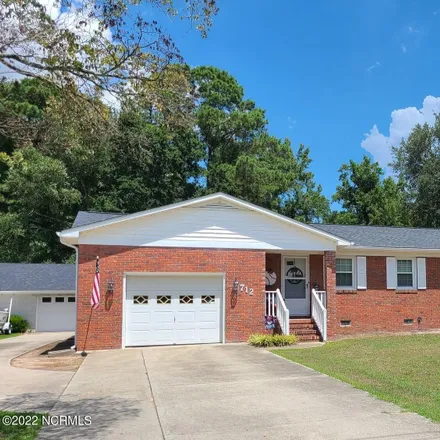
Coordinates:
[344,273]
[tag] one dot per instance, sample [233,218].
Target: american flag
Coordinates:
[96,295]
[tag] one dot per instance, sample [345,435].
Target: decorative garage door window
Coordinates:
[186,299]
[163,299]
[208,299]
[140,299]
[294,272]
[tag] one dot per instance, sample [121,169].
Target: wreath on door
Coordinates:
[295,272]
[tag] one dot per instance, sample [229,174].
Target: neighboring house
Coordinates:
[44,294]
[196,272]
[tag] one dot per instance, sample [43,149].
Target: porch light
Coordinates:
[236,284]
[110,285]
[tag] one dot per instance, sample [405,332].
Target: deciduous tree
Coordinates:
[94,47]
[417,166]
[41,201]
[367,198]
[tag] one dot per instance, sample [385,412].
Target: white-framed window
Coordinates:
[345,273]
[406,276]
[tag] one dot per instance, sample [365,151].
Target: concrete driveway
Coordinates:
[221,392]
[30,390]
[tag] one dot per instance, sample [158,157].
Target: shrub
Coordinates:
[262,340]
[19,324]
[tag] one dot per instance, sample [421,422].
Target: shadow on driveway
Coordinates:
[106,414]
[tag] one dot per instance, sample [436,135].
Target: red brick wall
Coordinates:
[380,310]
[244,314]
[330,288]
[316,271]
[273,263]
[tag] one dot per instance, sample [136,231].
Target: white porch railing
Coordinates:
[319,311]
[322,295]
[275,306]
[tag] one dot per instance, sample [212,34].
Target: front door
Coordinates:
[296,292]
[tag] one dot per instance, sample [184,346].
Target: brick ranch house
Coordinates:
[210,269]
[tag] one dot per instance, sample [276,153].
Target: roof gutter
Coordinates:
[36,292]
[63,241]
[393,249]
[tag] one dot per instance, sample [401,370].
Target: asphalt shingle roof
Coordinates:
[385,236]
[26,277]
[84,218]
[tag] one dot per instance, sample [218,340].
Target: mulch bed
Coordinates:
[39,359]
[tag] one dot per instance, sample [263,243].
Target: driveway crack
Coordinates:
[152,395]
[65,388]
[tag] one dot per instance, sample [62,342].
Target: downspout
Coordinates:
[76,282]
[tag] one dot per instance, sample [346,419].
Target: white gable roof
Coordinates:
[216,220]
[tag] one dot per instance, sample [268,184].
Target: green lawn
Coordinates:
[404,370]
[9,336]
[29,432]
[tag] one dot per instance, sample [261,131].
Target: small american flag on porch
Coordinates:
[96,294]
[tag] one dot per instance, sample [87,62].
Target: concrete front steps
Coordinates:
[304,329]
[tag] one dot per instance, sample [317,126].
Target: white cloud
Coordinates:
[413,30]
[291,122]
[52,8]
[403,47]
[402,122]
[374,66]
[111,100]
[77,18]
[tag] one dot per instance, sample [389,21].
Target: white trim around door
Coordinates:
[297,306]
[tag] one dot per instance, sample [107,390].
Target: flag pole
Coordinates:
[92,306]
[83,353]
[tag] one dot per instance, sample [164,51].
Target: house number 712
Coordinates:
[246,289]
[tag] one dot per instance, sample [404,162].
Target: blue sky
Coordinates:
[329,72]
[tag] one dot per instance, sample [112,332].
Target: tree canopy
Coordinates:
[63,158]
[106,45]
[366,198]
[417,166]
[57,157]
[243,159]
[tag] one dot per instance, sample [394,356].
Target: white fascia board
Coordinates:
[71,235]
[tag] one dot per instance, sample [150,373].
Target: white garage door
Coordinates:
[56,313]
[165,310]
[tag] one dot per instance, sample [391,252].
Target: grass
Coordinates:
[29,432]
[404,370]
[9,336]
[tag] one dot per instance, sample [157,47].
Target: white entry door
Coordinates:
[172,309]
[296,291]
